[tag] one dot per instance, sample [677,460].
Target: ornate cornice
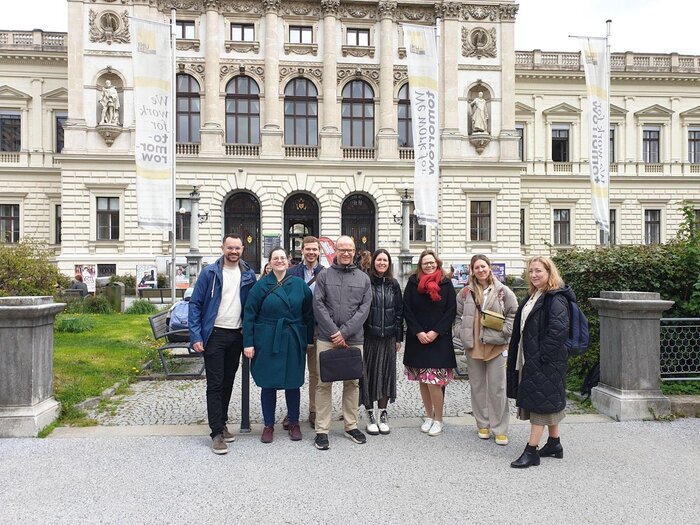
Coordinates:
[387,9]
[109,27]
[211,5]
[229,6]
[358,72]
[415,14]
[300,9]
[330,7]
[451,10]
[289,72]
[271,6]
[192,67]
[358,51]
[480,12]
[256,71]
[241,47]
[186,5]
[188,44]
[479,42]
[508,12]
[356,11]
[301,49]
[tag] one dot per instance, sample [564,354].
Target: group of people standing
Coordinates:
[291,315]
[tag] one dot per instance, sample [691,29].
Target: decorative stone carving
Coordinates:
[508,12]
[109,27]
[479,114]
[480,12]
[330,7]
[228,6]
[480,141]
[300,9]
[241,47]
[109,133]
[192,67]
[256,71]
[300,49]
[368,72]
[357,12]
[415,15]
[109,101]
[400,74]
[185,5]
[387,9]
[271,6]
[187,44]
[358,51]
[479,42]
[288,72]
[449,10]
[214,5]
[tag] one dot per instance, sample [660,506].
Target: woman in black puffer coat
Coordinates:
[536,372]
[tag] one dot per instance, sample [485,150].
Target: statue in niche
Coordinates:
[110,105]
[480,115]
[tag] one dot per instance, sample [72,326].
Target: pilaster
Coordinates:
[330,127]
[212,133]
[508,139]
[76,130]
[387,137]
[271,134]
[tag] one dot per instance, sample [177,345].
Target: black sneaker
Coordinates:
[321,442]
[356,436]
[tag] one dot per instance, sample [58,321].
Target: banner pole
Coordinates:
[440,67]
[608,234]
[172,149]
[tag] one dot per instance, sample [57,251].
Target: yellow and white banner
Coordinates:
[422,58]
[152,103]
[595,63]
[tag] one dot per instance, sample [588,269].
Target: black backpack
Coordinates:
[592,379]
[579,338]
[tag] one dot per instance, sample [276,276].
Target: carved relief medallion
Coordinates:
[109,27]
[479,42]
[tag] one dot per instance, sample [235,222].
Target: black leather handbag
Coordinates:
[340,364]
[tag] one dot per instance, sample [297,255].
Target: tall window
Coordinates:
[107,218]
[301,35]
[60,124]
[416,231]
[57,223]
[652,226]
[184,29]
[9,223]
[694,146]
[562,227]
[560,145]
[242,111]
[10,131]
[612,145]
[188,118]
[522,226]
[357,37]
[520,131]
[650,145]
[613,220]
[182,223]
[358,115]
[405,129]
[242,32]
[300,113]
[480,220]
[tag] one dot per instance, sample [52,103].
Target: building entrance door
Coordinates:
[242,217]
[358,221]
[300,220]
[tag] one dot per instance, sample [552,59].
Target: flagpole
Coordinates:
[173,194]
[608,235]
[438,27]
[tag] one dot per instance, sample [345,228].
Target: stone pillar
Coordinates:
[76,130]
[630,370]
[26,365]
[387,137]
[212,133]
[508,138]
[449,117]
[36,124]
[330,124]
[271,134]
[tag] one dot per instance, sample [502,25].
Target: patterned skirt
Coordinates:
[379,379]
[430,376]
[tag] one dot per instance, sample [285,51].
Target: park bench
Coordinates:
[162,331]
[164,294]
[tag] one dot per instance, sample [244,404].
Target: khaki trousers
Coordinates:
[312,366]
[487,380]
[324,398]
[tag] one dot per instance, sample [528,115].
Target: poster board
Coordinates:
[89,273]
[146,276]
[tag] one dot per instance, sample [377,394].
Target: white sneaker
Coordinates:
[384,424]
[436,429]
[425,427]
[372,428]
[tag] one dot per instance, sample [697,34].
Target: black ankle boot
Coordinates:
[527,458]
[552,449]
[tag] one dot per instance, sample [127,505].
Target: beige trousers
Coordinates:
[324,398]
[487,380]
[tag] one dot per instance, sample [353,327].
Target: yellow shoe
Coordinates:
[501,439]
[484,433]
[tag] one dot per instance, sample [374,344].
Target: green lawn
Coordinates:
[87,363]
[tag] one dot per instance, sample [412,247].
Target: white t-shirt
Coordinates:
[229,314]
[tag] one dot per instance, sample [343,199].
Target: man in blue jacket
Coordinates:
[215,321]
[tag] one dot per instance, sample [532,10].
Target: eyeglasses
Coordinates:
[428,263]
[347,250]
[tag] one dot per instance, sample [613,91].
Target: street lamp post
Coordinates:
[405,257]
[194,258]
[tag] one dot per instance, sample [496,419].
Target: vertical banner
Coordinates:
[422,58]
[595,63]
[152,91]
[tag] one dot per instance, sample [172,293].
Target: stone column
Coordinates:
[330,124]
[26,365]
[212,133]
[271,134]
[449,118]
[36,147]
[508,138]
[75,131]
[387,137]
[629,355]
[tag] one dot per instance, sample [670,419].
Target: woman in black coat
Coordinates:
[536,373]
[430,305]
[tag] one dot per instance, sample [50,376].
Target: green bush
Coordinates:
[128,280]
[141,306]
[25,269]
[89,305]
[74,325]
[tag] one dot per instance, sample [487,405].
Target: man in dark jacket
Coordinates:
[215,321]
[342,299]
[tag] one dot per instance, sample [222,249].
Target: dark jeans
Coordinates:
[268,400]
[221,357]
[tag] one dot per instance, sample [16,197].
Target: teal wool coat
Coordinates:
[278,321]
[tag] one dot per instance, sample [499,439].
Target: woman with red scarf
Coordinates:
[430,305]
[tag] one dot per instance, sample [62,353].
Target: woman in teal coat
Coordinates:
[278,323]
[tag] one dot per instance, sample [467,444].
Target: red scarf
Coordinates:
[429,283]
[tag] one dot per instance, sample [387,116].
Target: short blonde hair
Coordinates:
[555,281]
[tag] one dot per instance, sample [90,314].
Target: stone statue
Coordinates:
[110,105]
[480,115]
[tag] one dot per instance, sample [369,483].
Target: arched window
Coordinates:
[188,116]
[405,131]
[358,115]
[242,111]
[300,113]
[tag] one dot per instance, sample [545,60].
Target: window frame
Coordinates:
[404,122]
[651,155]
[113,215]
[649,224]
[367,136]
[356,32]
[308,118]
[10,224]
[59,130]
[194,118]
[564,142]
[520,132]
[416,232]
[612,223]
[10,144]
[302,30]
[182,27]
[477,218]
[557,239]
[694,145]
[183,221]
[235,119]
[244,28]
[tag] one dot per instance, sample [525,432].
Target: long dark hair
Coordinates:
[373,271]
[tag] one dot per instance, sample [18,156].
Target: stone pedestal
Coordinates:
[630,337]
[26,365]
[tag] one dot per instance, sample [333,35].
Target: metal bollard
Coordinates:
[245,396]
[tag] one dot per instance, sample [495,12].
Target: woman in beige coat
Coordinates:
[484,347]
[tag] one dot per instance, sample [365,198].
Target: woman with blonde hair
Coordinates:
[484,345]
[537,356]
[430,305]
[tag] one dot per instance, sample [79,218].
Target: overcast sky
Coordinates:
[660,26]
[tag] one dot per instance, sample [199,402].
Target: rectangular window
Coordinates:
[57,223]
[358,37]
[105,270]
[10,131]
[60,124]
[480,220]
[694,146]
[562,227]
[242,32]
[522,226]
[560,145]
[652,226]
[650,145]
[612,145]
[107,218]
[184,215]
[416,231]
[184,29]
[9,223]
[520,131]
[301,35]
[613,220]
